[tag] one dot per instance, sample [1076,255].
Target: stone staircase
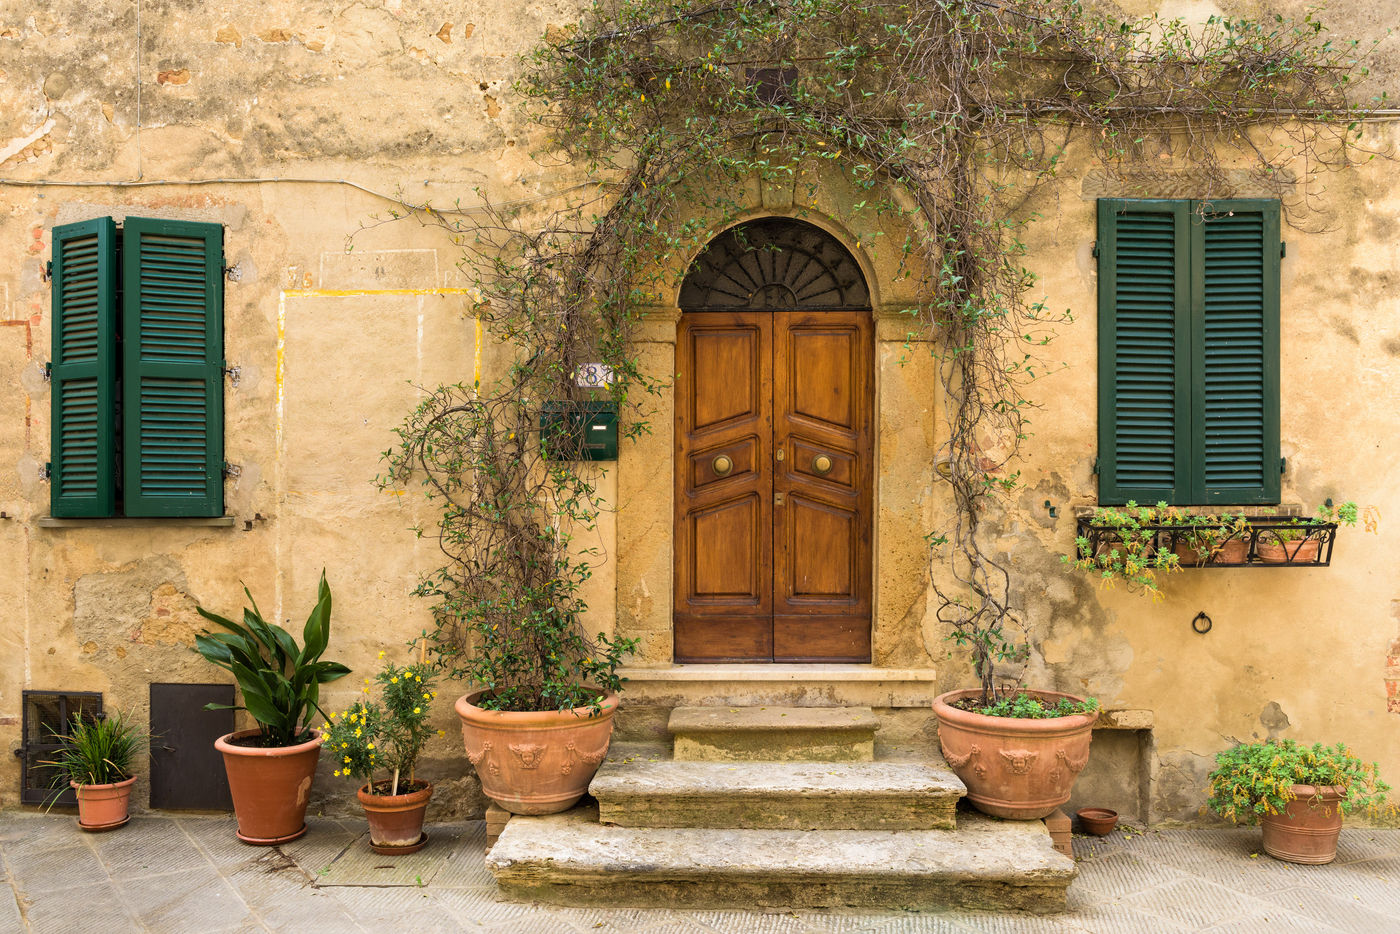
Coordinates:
[777,807]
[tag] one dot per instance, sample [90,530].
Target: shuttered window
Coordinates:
[138,391]
[1188,351]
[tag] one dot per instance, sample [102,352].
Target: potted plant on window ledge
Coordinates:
[270,768]
[386,738]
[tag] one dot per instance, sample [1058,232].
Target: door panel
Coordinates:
[823,392]
[724,512]
[773,486]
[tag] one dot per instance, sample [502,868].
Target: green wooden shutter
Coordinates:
[172,333]
[1235,287]
[84,453]
[1144,351]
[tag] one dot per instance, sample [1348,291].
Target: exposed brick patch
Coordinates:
[445,33]
[229,36]
[174,76]
[1392,677]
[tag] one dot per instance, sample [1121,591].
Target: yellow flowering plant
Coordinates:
[384,736]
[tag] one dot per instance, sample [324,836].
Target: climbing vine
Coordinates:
[944,116]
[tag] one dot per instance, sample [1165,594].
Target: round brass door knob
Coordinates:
[821,465]
[722,466]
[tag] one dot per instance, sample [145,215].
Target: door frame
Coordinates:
[637,601]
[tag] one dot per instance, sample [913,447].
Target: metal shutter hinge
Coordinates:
[47,273]
[46,471]
[1096,248]
[232,471]
[233,373]
[48,371]
[1282,248]
[1096,466]
[233,273]
[1283,465]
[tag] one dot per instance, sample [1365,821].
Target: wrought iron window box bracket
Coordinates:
[1262,530]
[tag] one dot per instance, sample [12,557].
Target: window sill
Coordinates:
[220,522]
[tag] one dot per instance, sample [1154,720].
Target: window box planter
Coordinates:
[1262,541]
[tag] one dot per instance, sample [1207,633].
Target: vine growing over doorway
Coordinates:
[944,116]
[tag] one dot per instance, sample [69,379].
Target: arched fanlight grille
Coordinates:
[777,264]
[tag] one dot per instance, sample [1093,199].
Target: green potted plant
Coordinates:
[270,767]
[1211,539]
[537,717]
[1300,541]
[385,738]
[1298,794]
[98,759]
[1126,549]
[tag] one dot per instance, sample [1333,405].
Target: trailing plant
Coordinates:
[943,117]
[101,750]
[1028,707]
[385,736]
[280,681]
[1131,555]
[1253,779]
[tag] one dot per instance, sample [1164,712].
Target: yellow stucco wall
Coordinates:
[414,102]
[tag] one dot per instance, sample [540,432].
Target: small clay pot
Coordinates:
[1097,821]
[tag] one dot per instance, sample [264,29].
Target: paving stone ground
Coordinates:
[171,875]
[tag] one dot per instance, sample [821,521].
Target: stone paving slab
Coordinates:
[189,875]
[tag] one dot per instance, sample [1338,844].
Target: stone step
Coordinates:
[773,734]
[777,795]
[570,859]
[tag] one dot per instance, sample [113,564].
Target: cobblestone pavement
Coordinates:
[189,874]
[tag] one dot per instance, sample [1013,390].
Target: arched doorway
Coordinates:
[774,450]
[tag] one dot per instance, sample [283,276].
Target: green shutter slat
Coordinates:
[173,355]
[1143,403]
[1235,249]
[83,442]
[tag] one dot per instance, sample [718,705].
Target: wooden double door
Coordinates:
[774,477]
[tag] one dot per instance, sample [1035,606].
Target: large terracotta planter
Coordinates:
[396,821]
[270,787]
[1013,768]
[1307,830]
[538,762]
[1299,552]
[103,807]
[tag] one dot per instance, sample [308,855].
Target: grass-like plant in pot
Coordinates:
[508,607]
[384,738]
[98,759]
[270,768]
[1299,794]
[1301,541]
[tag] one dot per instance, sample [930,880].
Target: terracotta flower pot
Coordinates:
[1013,768]
[1307,830]
[270,786]
[1231,551]
[1097,821]
[103,807]
[538,762]
[396,821]
[1299,552]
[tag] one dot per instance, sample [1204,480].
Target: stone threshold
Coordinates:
[778,672]
[831,685]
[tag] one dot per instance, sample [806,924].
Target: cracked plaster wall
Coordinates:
[406,97]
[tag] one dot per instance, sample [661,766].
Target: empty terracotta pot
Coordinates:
[103,807]
[1097,821]
[1299,552]
[535,762]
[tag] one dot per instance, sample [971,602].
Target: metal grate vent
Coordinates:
[48,717]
